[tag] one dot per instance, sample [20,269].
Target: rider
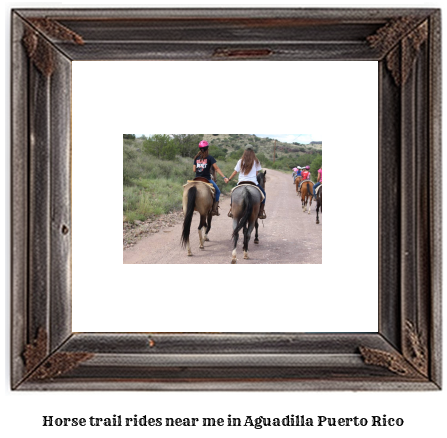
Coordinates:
[298,172]
[248,167]
[319,180]
[306,174]
[203,162]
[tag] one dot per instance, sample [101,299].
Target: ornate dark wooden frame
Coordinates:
[405,354]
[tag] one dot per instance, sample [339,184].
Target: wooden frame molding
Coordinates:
[405,353]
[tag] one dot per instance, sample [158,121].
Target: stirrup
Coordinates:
[229,213]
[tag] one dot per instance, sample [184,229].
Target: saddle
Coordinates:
[200,180]
[249,183]
[305,180]
[318,189]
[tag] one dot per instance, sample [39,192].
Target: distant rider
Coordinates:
[306,174]
[319,180]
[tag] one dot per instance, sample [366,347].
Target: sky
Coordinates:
[288,138]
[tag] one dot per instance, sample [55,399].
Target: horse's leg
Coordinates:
[208,228]
[318,219]
[188,246]
[202,224]
[310,202]
[235,239]
[247,235]
[256,232]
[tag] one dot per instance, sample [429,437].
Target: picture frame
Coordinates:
[405,353]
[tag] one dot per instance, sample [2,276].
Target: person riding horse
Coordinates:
[248,167]
[319,180]
[298,173]
[203,163]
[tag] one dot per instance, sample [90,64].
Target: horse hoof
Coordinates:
[233,261]
[246,257]
[206,239]
[201,247]
[318,222]
[190,254]
[256,241]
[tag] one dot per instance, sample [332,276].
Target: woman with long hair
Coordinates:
[248,167]
[203,163]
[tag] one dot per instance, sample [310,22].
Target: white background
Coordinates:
[21,413]
[339,295]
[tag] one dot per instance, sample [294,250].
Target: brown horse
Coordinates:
[197,196]
[306,194]
[297,184]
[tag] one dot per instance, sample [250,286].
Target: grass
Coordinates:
[147,198]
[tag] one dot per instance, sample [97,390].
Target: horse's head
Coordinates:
[261,179]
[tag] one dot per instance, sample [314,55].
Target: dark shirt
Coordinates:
[203,167]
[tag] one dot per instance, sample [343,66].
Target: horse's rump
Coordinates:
[247,199]
[202,182]
[305,185]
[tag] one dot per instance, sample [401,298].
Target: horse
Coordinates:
[196,197]
[319,202]
[297,184]
[245,204]
[306,194]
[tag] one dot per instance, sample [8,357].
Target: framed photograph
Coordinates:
[405,352]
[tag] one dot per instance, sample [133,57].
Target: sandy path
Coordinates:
[287,235]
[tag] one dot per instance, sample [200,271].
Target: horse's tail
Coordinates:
[192,192]
[248,204]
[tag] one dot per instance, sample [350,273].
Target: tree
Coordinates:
[187,144]
[129,136]
[316,164]
[217,152]
[161,146]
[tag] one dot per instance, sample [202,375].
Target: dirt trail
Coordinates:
[287,235]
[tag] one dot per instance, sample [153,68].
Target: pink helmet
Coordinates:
[307,167]
[203,144]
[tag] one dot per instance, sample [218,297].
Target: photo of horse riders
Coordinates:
[175,182]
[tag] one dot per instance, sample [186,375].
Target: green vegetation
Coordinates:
[156,168]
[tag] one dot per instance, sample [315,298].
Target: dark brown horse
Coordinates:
[197,196]
[306,194]
[319,202]
[261,181]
